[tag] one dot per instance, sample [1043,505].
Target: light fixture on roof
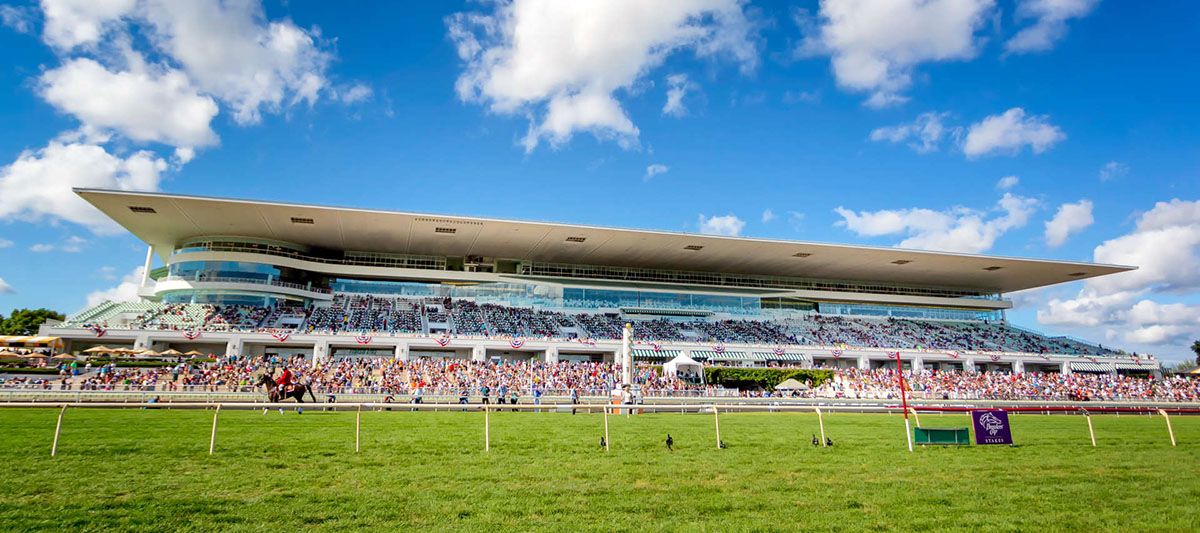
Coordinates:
[693,247]
[901,262]
[801,254]
[992,268]
[302,220]
[141,209]
[1077,274]
[445,230]
[576,239]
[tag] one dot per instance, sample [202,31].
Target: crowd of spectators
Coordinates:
[354,313]
[959,385]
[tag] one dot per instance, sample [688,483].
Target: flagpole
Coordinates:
[903,400]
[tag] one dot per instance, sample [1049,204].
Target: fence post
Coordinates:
[1091,431]
[717,423]
[57,429]
[821,420]
[212,439]
[1170,431]
[606,441]
[357,427]
[487,429]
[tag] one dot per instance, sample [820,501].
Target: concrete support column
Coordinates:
[1018,367]
[235,346]
[918,364]
[142,341]
[479,353]
[146,266]
[320,352]
[402,351]
[864,363]
[552,355]
[969,365]
[1066,367]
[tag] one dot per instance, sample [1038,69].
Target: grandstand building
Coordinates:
[258,278]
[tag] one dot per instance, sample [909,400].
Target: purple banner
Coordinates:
[991,427]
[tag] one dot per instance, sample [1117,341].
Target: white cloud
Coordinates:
[677,87]
[767,215]
[5,288]
[5,243]
[141,104]
[72,245]
[42,247]
[1009,132]
[126,291]
[38,184]
[227,49]
[1050,23]
[1070,218]
[875,45]
[957,229]
[562,63]
[1165,246]
[108,273]
[923,134]
[72,23]
[729,225]
[1113,169]
[656,169]
[1007,183]
[358,92]
[20,19]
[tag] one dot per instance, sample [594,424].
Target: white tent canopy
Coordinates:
[683,364]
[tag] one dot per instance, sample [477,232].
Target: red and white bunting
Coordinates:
[1092,359]
[779,351]
[99,330]
[443,341]
[994,357]
[720,348]
[191,335]
[954,355]
[894,355]
[587,341]
[281,336]
[657,347]
[1136,360]
[837,354]
[516,343]
[363,339]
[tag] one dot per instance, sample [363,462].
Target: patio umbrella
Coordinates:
[147,352]
[194,352]
[170,351]
[64,357]
[99,349]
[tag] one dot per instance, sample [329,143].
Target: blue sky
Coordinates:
[887,122]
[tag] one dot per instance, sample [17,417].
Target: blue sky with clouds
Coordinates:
[1039,128]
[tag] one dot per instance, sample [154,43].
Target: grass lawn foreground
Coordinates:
[150,470]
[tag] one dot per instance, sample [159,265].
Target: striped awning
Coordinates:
[785,356]
[644,354]
[726,356]
[1130,365]
[1092,367]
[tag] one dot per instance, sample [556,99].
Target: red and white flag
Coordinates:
[280,336]
[191,335]
[363,339]
[516,343]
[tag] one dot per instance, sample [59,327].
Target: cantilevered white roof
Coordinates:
[163,220]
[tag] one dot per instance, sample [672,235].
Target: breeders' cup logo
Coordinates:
[991,423]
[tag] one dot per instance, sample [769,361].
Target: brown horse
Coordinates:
[276,394]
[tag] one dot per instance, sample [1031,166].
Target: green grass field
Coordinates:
[150,470]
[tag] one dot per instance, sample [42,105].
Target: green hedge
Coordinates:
[763,378]
[28,370]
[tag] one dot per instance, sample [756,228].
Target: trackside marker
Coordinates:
[821,420]
[1170,431]
[212,439]
[57,429]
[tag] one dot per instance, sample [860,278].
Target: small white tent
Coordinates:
[684,365]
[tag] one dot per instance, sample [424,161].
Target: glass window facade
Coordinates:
[901,311]
[220,298]
[202,270]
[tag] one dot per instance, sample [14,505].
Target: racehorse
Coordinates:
[276,394]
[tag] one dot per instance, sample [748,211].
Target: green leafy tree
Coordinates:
[26,321]
[1196,350]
